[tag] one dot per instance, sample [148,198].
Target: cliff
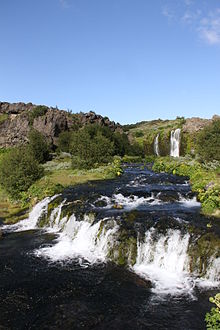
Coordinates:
[16,120]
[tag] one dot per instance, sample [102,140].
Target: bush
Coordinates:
[208,142]
[18,170]
[88,151]
[38,146]
[213,318]
[139,133]
[64,141]
[38,111]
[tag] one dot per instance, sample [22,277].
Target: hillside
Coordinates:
[145,133]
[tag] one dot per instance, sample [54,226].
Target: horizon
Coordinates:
[127,60]
[112,119]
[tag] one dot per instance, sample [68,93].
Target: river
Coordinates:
[118,254]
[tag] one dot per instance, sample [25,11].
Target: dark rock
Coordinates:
[168,196]
[14,130]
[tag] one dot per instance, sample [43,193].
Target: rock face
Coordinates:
[16,120]
[195,124]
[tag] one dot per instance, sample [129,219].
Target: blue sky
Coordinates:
[130,60]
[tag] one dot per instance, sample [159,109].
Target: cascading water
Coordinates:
[156,146]
[84,238]
[146,223]
[161,258]
[164,260]
[175,143]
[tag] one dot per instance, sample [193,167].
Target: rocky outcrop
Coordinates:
[16,120]
[195,124]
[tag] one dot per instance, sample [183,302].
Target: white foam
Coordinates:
[129,202]
[81,239]
[189,203]
[31,222]
[165,262]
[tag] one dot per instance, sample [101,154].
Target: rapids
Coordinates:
[130,253]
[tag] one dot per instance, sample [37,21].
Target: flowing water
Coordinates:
[156,146]
[130,253]
[175,143]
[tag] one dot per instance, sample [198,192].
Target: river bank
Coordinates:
[58,176]
[204,179]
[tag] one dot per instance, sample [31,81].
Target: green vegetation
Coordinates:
[38,146]
[94,145]
[144,133]
[213,317]
[206,182]
[38,111]
[90,154]
[18,170]
[208,142]
[88,151]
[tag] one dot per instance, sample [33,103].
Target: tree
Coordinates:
[208,142]
[38,146]
[18,170]
[88,151]
[64,141]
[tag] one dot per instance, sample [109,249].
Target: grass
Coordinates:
[150,129]
[56,178]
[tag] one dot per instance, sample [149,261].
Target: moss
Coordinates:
[44,219]
[18,215]
[124,251]
[101,227]
[202,250]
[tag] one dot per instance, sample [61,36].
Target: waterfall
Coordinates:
[164,260]
[175,143]
[161,257]
[156,146]
[84,239]
[31,222]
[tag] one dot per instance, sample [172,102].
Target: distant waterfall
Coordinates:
[156,146]
[175,143]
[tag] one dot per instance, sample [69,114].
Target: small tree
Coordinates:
[18,170]
[88,151]
[64,141]
[38,146]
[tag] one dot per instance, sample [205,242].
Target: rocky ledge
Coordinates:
[16,120]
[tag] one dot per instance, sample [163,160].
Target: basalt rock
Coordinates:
[16,120]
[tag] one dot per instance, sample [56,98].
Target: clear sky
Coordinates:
[130,60]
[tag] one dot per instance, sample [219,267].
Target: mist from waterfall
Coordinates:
[175,143]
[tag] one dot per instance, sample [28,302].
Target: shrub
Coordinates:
[64,141]
[18,170]
[38,111]
[38,146]
[139,133]
[88,151]
[213,318]
[208,142]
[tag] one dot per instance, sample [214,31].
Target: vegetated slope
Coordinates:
[145,133]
